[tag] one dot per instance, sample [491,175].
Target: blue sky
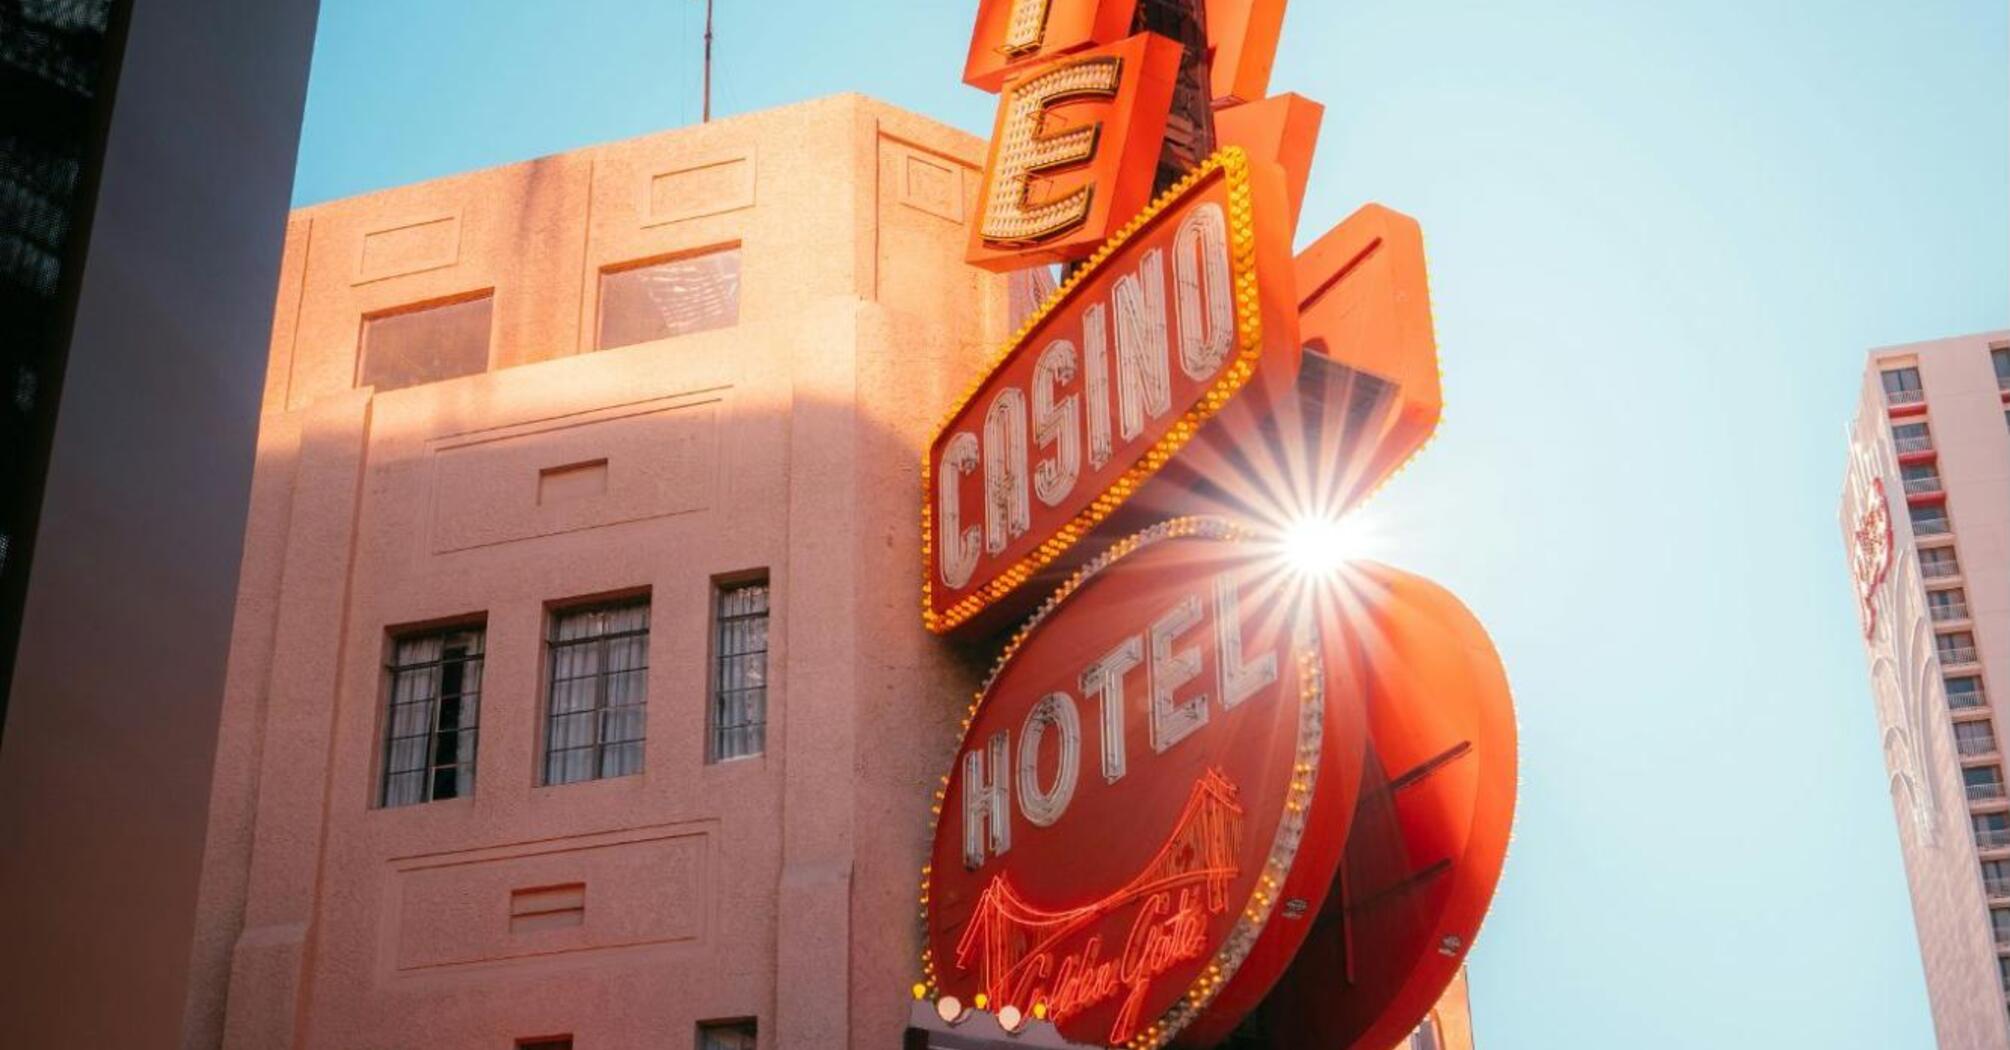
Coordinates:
[1661,237]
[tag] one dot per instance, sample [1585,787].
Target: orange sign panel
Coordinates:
[1014,35]
[1365,304]
[1073,152]
[1242,36]
[1283,129]
[1185,307]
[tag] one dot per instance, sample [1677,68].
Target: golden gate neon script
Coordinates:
[1025,954]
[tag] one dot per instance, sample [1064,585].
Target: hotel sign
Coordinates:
[1151,798]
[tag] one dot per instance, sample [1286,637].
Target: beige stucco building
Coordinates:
[578,688]
[1449,1026]
[1926,516]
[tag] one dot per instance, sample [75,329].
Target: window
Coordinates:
[1911,437]
[561,1042]
[695,293]
[739,714]
[727,1035]
[1992,830]
[1951,604]
[1955,647]
[426,345]
[1984,783]
[1426,1035]
[1920,477]
[1996,878]
[1999,920]
[1964,691]
[2000,356]
[1901,386]
[1929,521]
[1937,563]
[599,662]
[429,728]
[2003,970]
[1974,738]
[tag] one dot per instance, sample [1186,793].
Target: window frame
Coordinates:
[751,1026]
[715,658]
[1899,436]
[1987,733]
[554,613]
[596,338]
[1921,514]
[1933,555]
[1951,598]
[384,738]
[488,294]
[1980,692]
[1900,372]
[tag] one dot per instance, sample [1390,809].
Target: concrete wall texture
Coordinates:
[780,888]
[1952,429]
[112,709]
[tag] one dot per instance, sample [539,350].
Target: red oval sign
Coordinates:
[1430,830]
[1151,798]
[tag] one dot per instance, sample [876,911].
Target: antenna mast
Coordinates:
[708,62]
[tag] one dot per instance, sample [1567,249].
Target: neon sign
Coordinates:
[1870,551]
[1194,790]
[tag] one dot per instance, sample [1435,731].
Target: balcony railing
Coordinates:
[1963,654]
[1967,701]
[1992,838]
[2003,382]
[1931,527]
[1985,792]
[1996,888]
[1923,443]
[1972,748]
[1950,611]
[1904,397]
[1939,570]
[1915,486]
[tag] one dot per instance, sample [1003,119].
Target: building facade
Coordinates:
[578,693]
[1449,1025]
[1926,518]
[146,158]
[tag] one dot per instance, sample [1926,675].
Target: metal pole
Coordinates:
[708,62]
[1190,126]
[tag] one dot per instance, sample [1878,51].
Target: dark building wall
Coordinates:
[110,722]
